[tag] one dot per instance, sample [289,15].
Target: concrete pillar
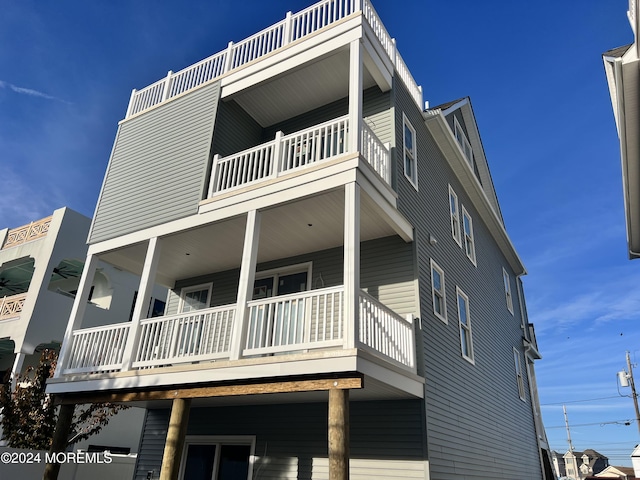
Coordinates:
[175,439]
[338,434]
[59,441]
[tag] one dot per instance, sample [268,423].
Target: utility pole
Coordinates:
[634,395]
[566,422]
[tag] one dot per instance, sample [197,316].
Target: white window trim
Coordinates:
[466,328]
[286,270]
[225,440]
[193,288]
[414,152]
[443,296]
[517,360]
[455,217]
[463,141]
[506,279]
[469,239]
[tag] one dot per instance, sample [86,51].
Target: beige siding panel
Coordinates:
[158,168]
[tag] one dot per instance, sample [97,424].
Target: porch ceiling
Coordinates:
[300,90]
[305,225]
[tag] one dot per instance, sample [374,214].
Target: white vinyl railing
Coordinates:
[293,152]
[98,349]
[187,337]
[292,28]
[376,153]
[385,331]
[295,322]
[283,154]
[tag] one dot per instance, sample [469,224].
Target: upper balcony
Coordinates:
[27,233]
[294,29]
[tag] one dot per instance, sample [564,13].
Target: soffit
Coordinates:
[300,90]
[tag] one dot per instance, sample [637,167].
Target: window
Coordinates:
[519,377]
[282,281]
[469,244]
[462,141]
[464,318]
[196,297]
[455,216]
[217,458]
[410,163]
[438,292]
[507,290]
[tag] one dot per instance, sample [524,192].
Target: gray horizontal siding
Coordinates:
[477,427]
[235,130]
[386,273]
[387,439]
[158,168]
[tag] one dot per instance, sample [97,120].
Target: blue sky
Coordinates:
[533,71]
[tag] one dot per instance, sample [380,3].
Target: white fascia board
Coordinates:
[455,106]
[443,136]
[294,55]
[282,190]
[388,211]
[377,61]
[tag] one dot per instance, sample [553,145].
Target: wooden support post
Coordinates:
[338,434]
[59,441]
[175,439]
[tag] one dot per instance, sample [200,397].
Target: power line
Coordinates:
[580,401]
[611,422]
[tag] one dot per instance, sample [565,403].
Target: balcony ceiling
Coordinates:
[305,225]
[300,90]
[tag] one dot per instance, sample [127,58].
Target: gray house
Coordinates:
[345,299]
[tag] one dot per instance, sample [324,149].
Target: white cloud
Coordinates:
[29,91]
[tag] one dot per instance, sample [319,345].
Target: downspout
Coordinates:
[617,73]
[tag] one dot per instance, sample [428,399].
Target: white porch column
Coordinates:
[141,307]
[77,311]
[245,286]
[16,370]
[351,262]
[355,95]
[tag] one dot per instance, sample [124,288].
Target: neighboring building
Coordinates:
[40,268]
[328,246]
[580,465]
[621,66]
[617,473]
[557,459]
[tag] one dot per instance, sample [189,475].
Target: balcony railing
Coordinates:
[294,323]
[293,152]
[293,27]
[11,306]
[27,233]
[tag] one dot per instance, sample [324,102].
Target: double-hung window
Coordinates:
[409,151]
[464,319]
[463,141]
[507,290]
[519,375]
[438,292]
[217,458]
[195,298]
[454,211]
[469,243]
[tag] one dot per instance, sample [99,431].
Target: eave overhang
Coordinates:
[624,88]
[439,128]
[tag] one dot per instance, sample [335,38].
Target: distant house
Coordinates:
[344,296]
[41,266]
[621,67]
[580,465]
[614,473]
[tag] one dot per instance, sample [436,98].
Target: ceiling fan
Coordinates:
[5,283]
[65,272]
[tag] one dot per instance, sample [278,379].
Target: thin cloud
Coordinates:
[29,91]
